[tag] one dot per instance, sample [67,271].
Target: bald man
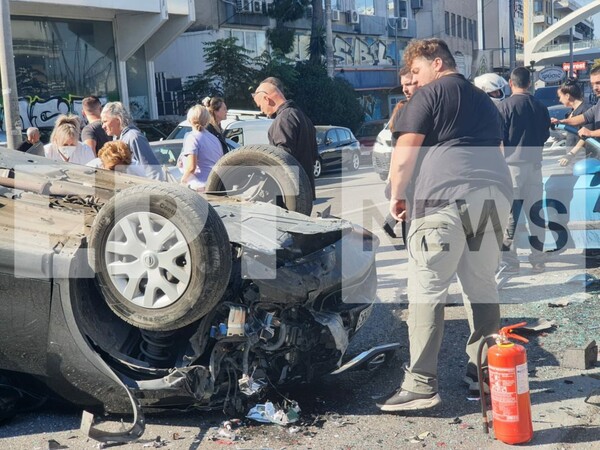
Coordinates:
[32,145]
[291,130]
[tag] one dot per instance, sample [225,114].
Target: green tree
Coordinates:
[281,37]
[230,71]
[195,89]
[325,100]
[276,64]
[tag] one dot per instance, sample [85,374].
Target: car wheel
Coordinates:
[318,170]
[162,256]
[354,162]
[263,173]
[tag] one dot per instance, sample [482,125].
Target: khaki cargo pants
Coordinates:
[447,242]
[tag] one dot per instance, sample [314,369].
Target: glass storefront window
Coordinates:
[137,82]
[64,57]
[58,63]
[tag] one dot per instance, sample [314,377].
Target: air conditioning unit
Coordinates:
[335,15]
[416,4]
[257,6]
[404,23]
[353,16]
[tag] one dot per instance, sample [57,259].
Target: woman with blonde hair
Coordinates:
[65,144]
[218,112]
[201,150]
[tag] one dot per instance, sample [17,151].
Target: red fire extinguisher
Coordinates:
[509,388]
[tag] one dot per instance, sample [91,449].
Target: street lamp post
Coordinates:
[10,97]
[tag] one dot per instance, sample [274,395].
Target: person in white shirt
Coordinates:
[116,155]
[64,142]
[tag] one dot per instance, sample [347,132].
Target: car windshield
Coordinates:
[179,132]
[369,129]
[321,136]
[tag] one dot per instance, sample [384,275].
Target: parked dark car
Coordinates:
[120,294]
[337,148]
[366,135]
[155,130]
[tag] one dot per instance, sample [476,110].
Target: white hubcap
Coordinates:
[148,260]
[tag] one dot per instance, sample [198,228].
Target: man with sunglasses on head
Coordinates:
[291,130]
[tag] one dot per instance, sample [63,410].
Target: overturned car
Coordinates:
[121,294]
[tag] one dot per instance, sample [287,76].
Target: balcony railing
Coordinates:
[578,45]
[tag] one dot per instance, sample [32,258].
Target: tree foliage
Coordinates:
[327,101]
[230,71]
[195,89]
[276,64]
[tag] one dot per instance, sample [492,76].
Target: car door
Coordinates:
[346,145]
[331,155]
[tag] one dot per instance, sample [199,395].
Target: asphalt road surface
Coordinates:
[340,413]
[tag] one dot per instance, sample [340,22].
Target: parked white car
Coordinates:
[237,132]
[382,152]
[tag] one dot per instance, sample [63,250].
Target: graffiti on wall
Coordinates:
[40,113]
[352,50]
[371,106]
[361,51]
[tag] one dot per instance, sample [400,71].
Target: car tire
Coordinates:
[174,243]
[354,162]
[286,184]
[318,169]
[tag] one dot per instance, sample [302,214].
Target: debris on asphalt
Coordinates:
[421,437]
[268,413]
[582,357]
[55,445]
[539,325]
[156,443]
[559,304]
[586,280]
[455,420]
[222,435]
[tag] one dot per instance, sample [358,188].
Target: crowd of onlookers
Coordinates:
[109,139]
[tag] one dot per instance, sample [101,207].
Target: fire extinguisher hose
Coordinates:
[486,427]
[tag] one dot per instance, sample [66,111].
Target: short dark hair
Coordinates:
[571,87]
[521,77]
[91,103]
[405,70]
[429,49]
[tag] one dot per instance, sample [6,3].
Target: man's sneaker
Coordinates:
[472,380]
[402,400]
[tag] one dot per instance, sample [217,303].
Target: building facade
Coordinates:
[368,41]
[67,50]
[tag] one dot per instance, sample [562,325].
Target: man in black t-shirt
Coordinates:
[93,134]
[526,126]
[449,177]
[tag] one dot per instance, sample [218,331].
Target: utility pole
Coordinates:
[10,97]
[328,39]
[571,52]
[512,49]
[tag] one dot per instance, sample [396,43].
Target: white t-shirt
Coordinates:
[83,154]
[132,169]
